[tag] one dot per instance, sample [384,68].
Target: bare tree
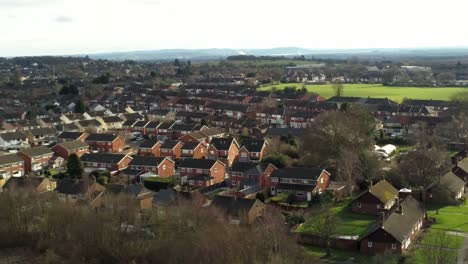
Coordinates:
[324,227]
[438,248]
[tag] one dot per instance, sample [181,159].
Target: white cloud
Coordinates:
[117,25]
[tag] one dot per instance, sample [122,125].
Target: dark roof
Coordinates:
[129,122]
[112,119]
[212,131]
[169,144]
[101,137]
[233,205]
[400,224]
[149,143]
[165,125]
[133,116]
[140,124]
[284,131]
[153,124]
[452,182]
[69,186]
[89,122]
[249,167]
[37,151]
[13,136]
[200,177]
[42,131]
[197,163]
[298,173]
[9,158]
[183,127]
[70,135]
[146,161]
[136,190]
[102,157]
[253,145]
[191,145]
[222,143]
[73,144]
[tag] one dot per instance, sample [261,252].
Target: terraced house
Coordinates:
[224,149]
[253,150]
[162,167]
[109,143]
[105,161]
[200,173]
[36,159]
[11,165]
[379,198]
[67,148]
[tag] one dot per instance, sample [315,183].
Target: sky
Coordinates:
[64,27]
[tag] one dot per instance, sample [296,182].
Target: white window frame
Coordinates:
[369,244]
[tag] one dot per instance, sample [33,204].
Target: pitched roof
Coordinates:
[102,157]
[170,144]
[112,119]
[452,182]
[73,144]
[249,167]
[13,136]
[191,145]
[140,124]
[136,190]
[36,151]
[153,124]
[384,191]
[298,173]
[69,186]
[214,131]
[23,182]
[233,205]
[101,137]
[222,143]
[42,131]
[149,143]
[197,163]
[400,224]
[70,135]
[253,145]
[463,164]
[9,158]
[146,161]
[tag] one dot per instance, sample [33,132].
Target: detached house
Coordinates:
[105,143]
[225,149]
[37,184]
[105,161]
[379,198]
[253,150]
[162,167]
[67,148]
[35,159]
[84,191]
[395,233]
[200,173]
[11,165]
[302,182]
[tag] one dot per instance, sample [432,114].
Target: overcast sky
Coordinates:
[58,27]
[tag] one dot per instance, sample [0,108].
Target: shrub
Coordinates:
[102,180]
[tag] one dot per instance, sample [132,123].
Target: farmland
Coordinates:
[378,91]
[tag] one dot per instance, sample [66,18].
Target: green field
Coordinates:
[454,218]
[348,223]
[378,91]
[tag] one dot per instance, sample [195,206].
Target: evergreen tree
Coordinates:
[74,167]
[80,107]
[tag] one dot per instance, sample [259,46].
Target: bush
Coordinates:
[277,159]
[294,219]
[260,196]
[102,180]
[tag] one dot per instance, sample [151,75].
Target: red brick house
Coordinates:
[171,148]
[107,143]
[193,137]
[67,148]
[253,150]
[379,198]
[240,210]
[200,173]
[302,182]
[396,232]
[105,161]
[162,167]
[247,174]
[224,149]
[196,150]
[69,136]
[35,159]
[150,147]
[11,165]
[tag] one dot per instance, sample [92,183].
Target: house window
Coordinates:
[393,246]
[189,170]
[182,169]
[359,205]
[369,244]
[244,155]
[300,193]
[164,167]
[321,180]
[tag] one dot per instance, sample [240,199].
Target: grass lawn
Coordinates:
[337,255]
[379,91]
[54,172]
[349,223]
[455,242]
[450,217]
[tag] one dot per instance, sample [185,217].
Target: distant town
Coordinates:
[245,159]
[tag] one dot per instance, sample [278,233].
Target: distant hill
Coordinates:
[217,54]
